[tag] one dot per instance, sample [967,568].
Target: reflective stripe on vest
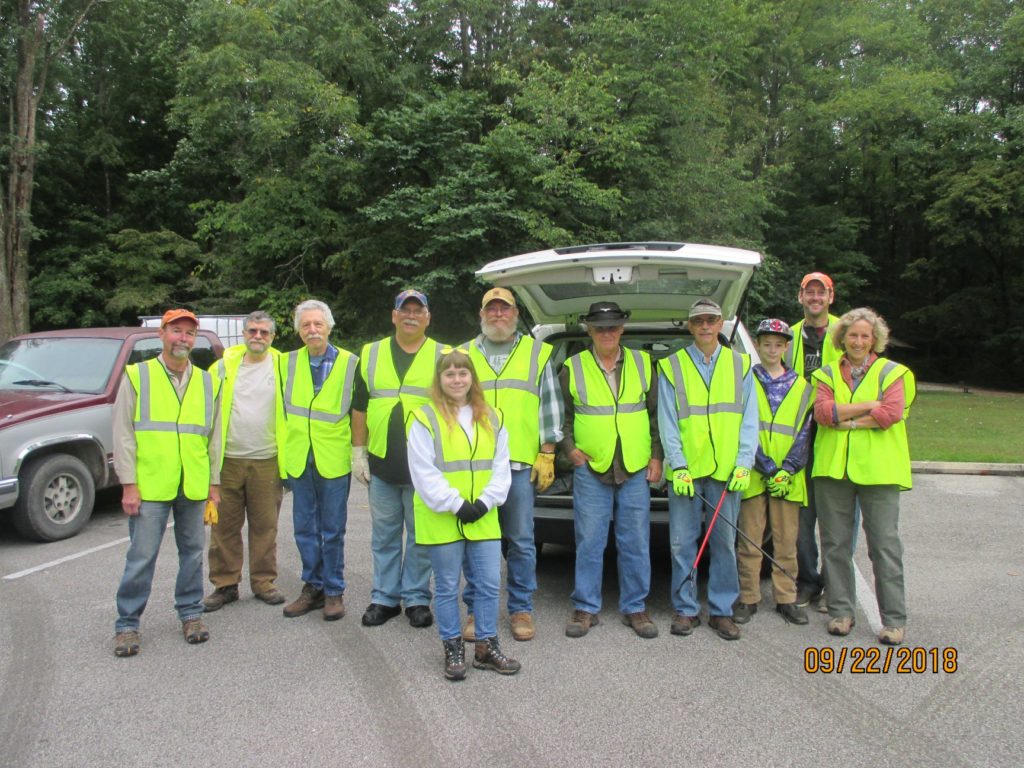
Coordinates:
[683,407]
[777,433]
[386,391]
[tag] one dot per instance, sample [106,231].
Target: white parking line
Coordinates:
[868,601]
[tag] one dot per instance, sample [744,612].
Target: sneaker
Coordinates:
[641,624]
[841,626]
[522,625]
[127,643]
[741,612]
[469,629]
[891,635]
[454,659]
[724,627]
[489,656]
[376,614]
[220,597]
[807,594]
[308,600]
[580,623]
[419,616]
[195,631]
[792,613]
[334,607]
[271,596]
[684,625]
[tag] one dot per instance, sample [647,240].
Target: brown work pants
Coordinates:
[784,518]
[249,489]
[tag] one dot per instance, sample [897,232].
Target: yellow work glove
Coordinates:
[682,483]
[543,472]
[740,479]
[210,513]
[779,485]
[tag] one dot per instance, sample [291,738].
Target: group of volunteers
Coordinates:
[454,443]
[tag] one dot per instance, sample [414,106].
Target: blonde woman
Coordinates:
[861,454]
[459,462]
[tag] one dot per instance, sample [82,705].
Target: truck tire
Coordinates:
[56,498]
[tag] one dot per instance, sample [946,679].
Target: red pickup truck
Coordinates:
[57,392]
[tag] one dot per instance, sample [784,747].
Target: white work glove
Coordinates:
[360,464]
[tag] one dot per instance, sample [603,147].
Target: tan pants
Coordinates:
[249,488]
[784,517]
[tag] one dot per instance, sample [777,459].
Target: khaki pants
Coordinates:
[784,518]
[249,488]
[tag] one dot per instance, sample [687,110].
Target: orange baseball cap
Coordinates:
[178,314]
[501,294]
[821,277]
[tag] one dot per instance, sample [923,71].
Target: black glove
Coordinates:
[481,508]
[467,513]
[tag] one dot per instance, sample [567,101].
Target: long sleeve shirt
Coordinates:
[431,484]
[668,413]
[775,391]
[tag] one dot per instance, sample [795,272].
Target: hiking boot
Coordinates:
[308,600]
[580,623]
[891,635]
[127,643]
[489,656]
[841,626]
[724,627]
[220,597]
[641,624]
[684,625]
[792,613]
[195,631]
[522,625]
[271,596]
[469,629]
[807,595]
[419,616]
[376,614]
[454,659]
[334,607]
[741,612]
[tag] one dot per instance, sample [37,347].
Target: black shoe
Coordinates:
[741,612]
[376,614]
[419,616]
[794,614]
[806,594]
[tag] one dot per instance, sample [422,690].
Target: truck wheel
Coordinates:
[55,499]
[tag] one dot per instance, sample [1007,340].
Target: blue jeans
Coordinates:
[146,531]
[685,516]
[319,515]
[396,579]
[516,518]
[593,506]
[484,573]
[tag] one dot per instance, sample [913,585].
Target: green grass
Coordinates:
[972,426]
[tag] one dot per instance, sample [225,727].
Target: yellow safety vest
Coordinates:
[515,392]
[710,419]
[386,391]
[224,372]
[467,468]
[172,437]
[794,357]
[318,422]
[604,418]
[866,456]
[777,432]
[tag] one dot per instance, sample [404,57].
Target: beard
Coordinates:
[497,333]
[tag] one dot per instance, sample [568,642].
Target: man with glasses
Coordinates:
[518,379]
[611,437]
[252,465]
[707,414]
[395,374]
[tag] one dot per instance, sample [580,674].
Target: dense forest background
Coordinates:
[228,155]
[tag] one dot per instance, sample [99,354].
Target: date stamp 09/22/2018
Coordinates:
[873,660]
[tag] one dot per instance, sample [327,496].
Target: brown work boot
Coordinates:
[127,643]
[220,597]
[841,626]
[489,656]
[724,627]
[454,659]
[580,623]
[684,625]
[308,600]
[641,624]
[195,631]
[891,635]
[271,595]
[522,625]
[334,607]
[469,629]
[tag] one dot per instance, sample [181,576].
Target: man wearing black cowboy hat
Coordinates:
[611,436]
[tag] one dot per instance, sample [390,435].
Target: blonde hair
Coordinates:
[879,329]
[459,358]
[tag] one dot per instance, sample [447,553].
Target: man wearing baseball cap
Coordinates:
[518,379]
[167,440]
[395,374]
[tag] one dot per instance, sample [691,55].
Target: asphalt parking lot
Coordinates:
[301,692]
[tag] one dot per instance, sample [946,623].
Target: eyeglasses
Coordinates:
[449,350]
[412,311]
[499,308]
[699,321]
[259,332]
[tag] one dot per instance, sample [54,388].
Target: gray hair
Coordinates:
[878,328]
[311,304]
[259,316]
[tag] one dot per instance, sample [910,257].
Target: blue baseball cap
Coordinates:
[411,293]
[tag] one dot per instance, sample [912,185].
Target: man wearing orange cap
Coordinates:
[167,441]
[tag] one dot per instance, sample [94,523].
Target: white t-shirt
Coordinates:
[251,425]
